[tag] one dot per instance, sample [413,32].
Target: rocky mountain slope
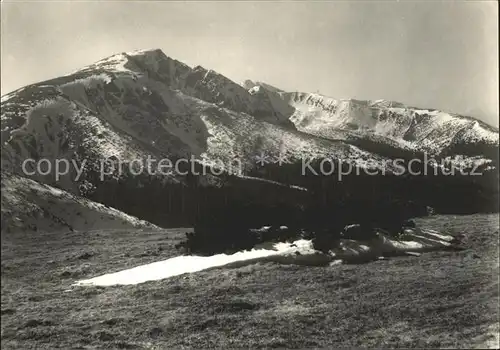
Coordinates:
[144,103]
[141,104]
[429,130]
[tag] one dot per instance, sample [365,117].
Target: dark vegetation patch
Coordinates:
[225,217]
[384,196]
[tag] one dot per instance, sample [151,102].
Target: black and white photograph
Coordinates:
[249,174]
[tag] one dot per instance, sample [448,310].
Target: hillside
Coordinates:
[31,207]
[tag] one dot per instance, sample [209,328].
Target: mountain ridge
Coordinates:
[134,105]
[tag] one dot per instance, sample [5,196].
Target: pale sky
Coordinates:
[427,54]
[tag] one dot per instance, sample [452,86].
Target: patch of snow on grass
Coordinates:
[298,252]
[189,264]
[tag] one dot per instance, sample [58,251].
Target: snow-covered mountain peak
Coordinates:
[149,63]
[131,83]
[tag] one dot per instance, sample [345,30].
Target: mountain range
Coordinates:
[144,104]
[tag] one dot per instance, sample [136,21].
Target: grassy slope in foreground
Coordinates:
[441,299]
